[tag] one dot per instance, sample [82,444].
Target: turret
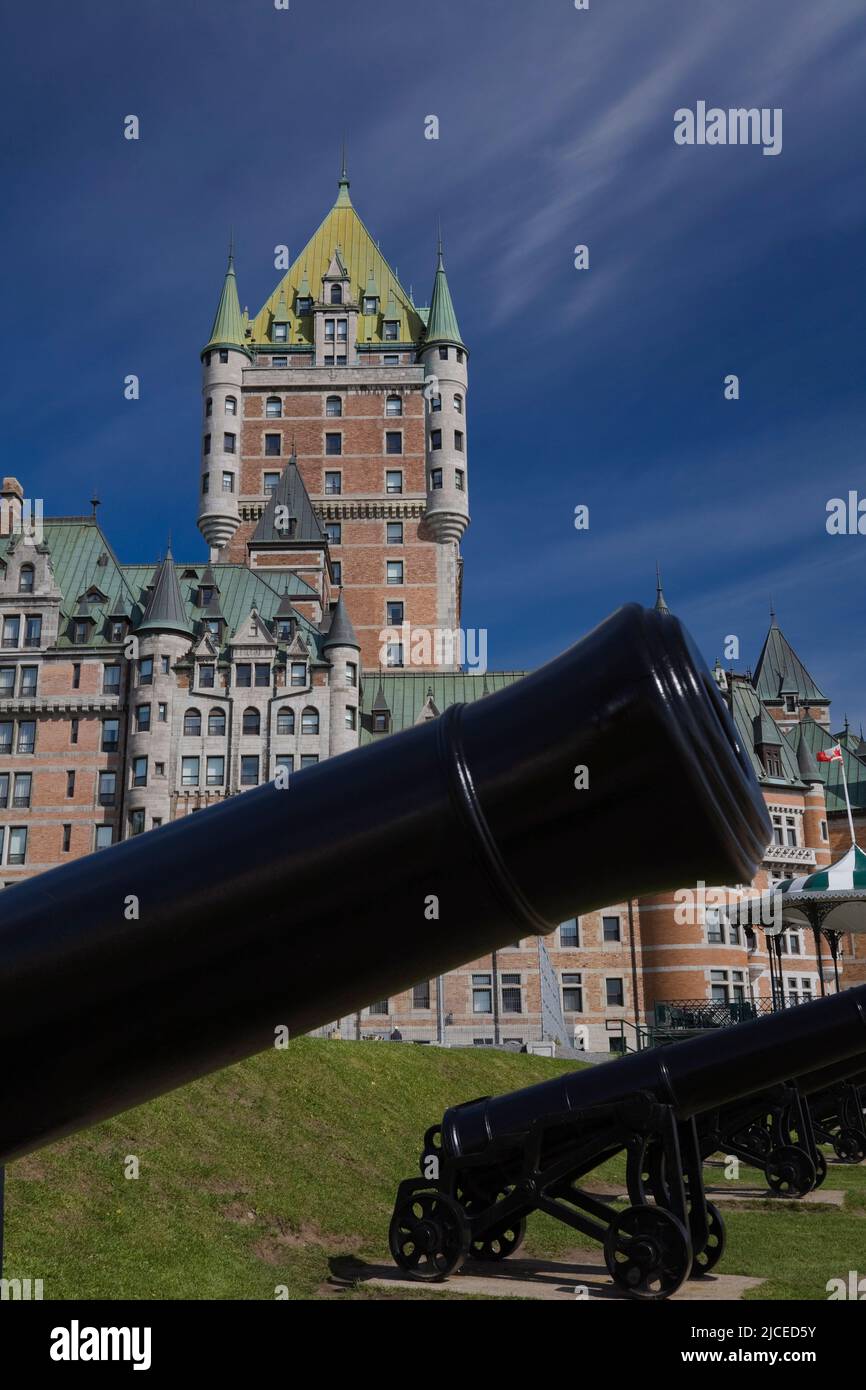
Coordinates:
[341,647]
[224,358]
[444,355]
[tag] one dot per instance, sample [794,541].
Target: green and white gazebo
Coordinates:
[830,901]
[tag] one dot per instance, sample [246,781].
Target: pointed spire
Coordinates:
[228,327]
[343,199]
[660,604]
[806,763]
[165,610]
[442,319]
[380,704]
[292,498]
[341,632]
[773,622]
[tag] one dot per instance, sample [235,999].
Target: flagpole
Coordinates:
[847,798]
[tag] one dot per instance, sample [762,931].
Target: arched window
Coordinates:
[394,405]
[273,407]
[231,405]
[216,723]
[252,721]
[310,721]
[333,406]
[286,721]
[458,403]
[336,294]
[192,722]
[26,576]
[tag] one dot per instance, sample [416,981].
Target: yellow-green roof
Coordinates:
[343,229]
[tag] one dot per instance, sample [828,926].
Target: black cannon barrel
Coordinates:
[851,1070]
[692,1076]
[132,971]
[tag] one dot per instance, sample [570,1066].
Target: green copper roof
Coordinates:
[405,693]
[164,611]
[442,320]
[819,740]
[290,494]
[228,327]
[748,714]
[781,672]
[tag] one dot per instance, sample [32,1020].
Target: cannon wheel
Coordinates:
[820,1167]
[709,1257]
[849,1146]
[790,1171]
[647,1252]
[759,1140]
[499,1242]
[428,1237]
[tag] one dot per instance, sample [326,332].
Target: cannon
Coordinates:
[836,1111]
[135,970]
[494,1161]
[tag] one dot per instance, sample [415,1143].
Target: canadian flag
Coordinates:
[830,755]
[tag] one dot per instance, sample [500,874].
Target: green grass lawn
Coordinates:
[256,1177]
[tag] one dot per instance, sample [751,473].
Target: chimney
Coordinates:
[11,502]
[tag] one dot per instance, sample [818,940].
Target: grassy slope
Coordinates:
[255,1177]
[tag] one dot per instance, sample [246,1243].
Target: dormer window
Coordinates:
[205,596]
[790,704]
[336,294]
[392,330]
[304,305]
[26,577]
[371,304]
[381,722]
[281,332]
[773,762]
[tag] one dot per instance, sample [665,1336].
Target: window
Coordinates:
[286,721]
[333,407]
[435,439]
[80,633]
[824,835]
[351,717]
[145,671]
[459,480]
[304,305]
[614,993]
[67,838]
[279,361]
[192,723]
[73,731]
[394,445]
[309,759]
[391,359]
[310,721]
[329,332]
[215,773]
[26,579]
[790,704]
[7,729]
[443,354]
[17,845]
[136,822]
[460,354]
[482,994]
[394,533]
[772,762]
[110,680]
[70,783]
[244,673]
[228,484]
[371,304]
[107,788]
[272,445]
[381,721]
[298,673]
[334,532]
[110,735]
[104,836]
[33,631]
[351,673]
[189,768]
[394,480]
[11,631]
[436,402]
[116,631]
[458,441]
[155,822]
[162,712]
[333,444]
[22,786]
[394,613]
[207,675]
[76,675]
[286,760]
[795,945]
[337,567]
[394,654]
[164,665]
[229,441]
[610,929]
[333,484]
[249,771]
[512,1000]
[392,330]
[715,928]
[4,790]
[435,478]
[139,772]
[336,294]
[263,674]
[224,354]
[394,405]
[216,723]
[572,992]
[26,736]
[208,407]
[7,681]
[251,721]
[569,935]
[421,996]
[270,483]
[159,769]
[458,404]
[205,445]
[29,677]
[281,332]
[142,719]
[273,407]
[394,571]
[231,405]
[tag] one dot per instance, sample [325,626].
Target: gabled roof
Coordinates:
[361,257]
[748,715]
[781,672]
[341,632]
[165,610]
[291,494]
[442,320]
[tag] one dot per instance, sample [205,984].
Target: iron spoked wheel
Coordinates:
[709,1257]
[790,1172]
[499,1242]
[647,1252]
[849,1146]
[759,1141]
[820,1167]
[428,1236]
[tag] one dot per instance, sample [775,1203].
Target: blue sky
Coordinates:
[602,387]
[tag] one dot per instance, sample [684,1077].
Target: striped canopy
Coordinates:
[832,899]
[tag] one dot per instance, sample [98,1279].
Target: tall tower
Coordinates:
[223,360]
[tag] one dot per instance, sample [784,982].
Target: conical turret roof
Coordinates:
[341,632]
[228,327]
[806,761]
[165,610]
[660,603]
[442,319]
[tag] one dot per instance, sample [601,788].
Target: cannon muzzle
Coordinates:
[133,971]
